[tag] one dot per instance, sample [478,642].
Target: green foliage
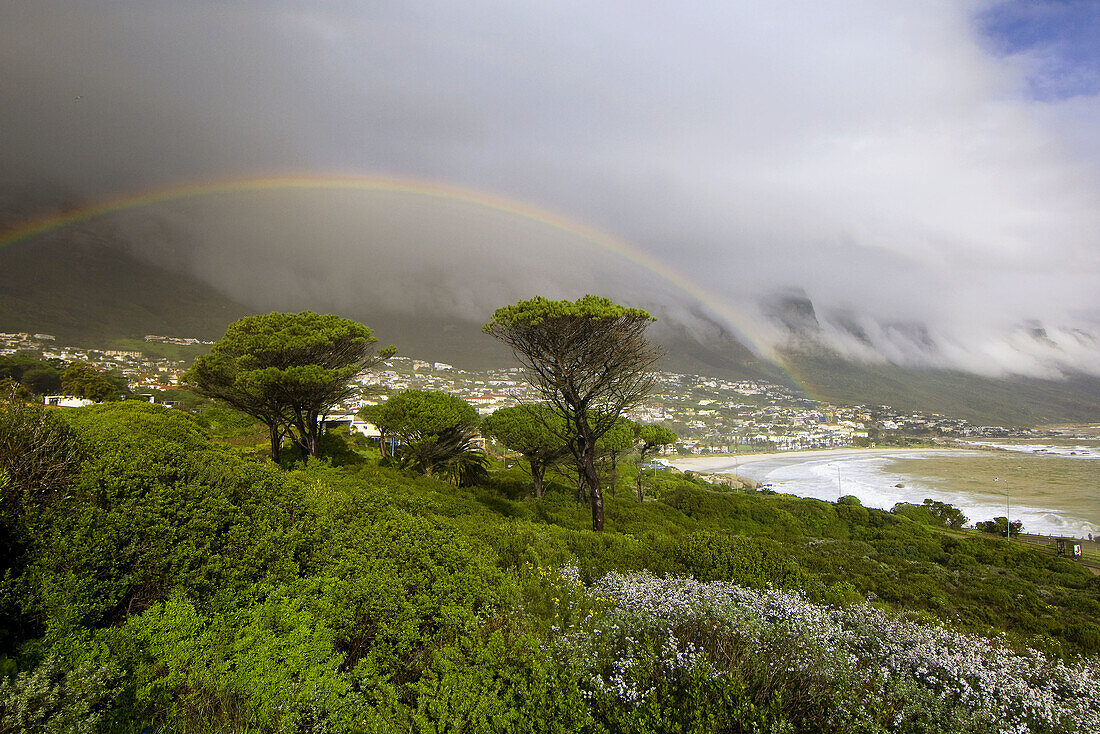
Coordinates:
[653,435]
[710,556]
[39,457]
[16,392]
[451,453]
[618,438]
[39,461]
[932,512]
[39,376]
[58,699]
[436,431]
[538,310]
[223,420]
[536,431]
[650,437]
[286,370]
[1000,526]
[271,665]
[415,414]
[157,510]
[176,585]
[83,380]
[530,429]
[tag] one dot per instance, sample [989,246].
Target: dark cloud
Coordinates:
[887,158]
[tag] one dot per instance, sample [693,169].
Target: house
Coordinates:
[351,422]
[66,401]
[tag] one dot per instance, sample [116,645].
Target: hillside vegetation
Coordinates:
[179,582]
[1013,401]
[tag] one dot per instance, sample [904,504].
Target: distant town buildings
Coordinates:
[182,341]
[710,415]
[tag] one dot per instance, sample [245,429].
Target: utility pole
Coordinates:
[1008,509]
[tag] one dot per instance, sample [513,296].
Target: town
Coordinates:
[709,415]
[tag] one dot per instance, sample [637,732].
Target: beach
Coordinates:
[1051,495]
[728,463]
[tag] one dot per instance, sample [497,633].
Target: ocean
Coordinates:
[1053,488]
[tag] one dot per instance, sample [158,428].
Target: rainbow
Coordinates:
[741,327]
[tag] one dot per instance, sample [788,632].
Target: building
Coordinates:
[66,401]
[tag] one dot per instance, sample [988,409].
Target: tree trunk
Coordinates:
[312,434]
[595,494]
[585,453]
[299,434]
[614,472]
[276,440]
[589,474]
[641,471]
[538,470]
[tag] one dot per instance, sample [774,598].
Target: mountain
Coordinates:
[811,343]
[1015,401]
[87,292]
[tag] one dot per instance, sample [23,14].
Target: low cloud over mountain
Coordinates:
[925,172]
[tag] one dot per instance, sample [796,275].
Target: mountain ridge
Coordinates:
[86,292]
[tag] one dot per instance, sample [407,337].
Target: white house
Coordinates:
[66,401]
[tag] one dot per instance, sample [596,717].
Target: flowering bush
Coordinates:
[57,699]
[811,666]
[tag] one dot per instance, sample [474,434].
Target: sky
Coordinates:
[925,167]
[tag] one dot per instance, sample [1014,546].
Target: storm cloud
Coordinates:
[906,163]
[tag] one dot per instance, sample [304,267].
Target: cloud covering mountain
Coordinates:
[925,174]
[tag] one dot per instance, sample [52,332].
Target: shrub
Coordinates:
[56,698]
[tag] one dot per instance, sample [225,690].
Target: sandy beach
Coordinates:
[1051,494]
[730,463]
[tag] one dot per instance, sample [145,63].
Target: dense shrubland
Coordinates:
[175,581]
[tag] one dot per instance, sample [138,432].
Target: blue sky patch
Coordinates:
[1063,36]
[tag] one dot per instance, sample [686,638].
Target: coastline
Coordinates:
[1049,507]
[729,463]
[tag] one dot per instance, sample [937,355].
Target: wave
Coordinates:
[866,477]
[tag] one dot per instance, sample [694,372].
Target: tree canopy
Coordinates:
[650,437]
[287,370]
[1001,526]
[38,459]
[40,376]
[83,380]
[589,359]
[536,431]
[932,512]
[435,430]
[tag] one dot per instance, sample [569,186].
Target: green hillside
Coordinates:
[1015,402]
[176,583]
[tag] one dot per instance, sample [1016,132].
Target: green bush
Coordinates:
[211,592]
